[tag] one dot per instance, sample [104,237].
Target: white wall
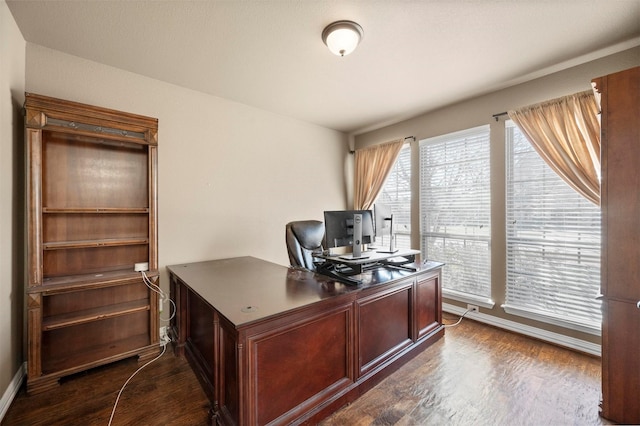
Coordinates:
[479,111]
[12,83]
[230,176]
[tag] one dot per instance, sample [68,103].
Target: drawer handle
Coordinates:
[638,304]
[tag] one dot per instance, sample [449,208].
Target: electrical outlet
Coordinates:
[141,267]
[164,337]
[473,308]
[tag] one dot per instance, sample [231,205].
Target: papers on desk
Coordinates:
[350,257]
[397,259]
[402,257]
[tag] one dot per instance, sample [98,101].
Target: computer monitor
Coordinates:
[384,226]
[382,215]
[339,229]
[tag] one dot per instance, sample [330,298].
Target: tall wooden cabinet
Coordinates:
[620,191]
[92,215]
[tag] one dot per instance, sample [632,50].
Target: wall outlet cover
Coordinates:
[141,267]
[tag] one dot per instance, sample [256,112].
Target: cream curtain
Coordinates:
[372,166]
[566,134]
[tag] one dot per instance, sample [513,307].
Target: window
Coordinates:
[553,243]
[455,211]
[396,193]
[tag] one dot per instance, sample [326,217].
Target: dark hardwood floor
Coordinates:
[480,375]
[475,375]
[165,392]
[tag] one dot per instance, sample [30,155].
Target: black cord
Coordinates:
[327,269]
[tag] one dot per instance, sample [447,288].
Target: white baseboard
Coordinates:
[12,390]
[538,333]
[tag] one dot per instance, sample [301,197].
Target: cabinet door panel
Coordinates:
[383,328]
[621,362]
[427,307]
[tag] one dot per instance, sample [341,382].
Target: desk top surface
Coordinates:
[247,289]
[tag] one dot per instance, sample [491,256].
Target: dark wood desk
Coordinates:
[278,345]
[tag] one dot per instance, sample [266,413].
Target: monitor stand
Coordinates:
[392,249]
[357,236]
[357,240]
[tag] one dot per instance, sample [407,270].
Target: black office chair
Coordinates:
[303,238]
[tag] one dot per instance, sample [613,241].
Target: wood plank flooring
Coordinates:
[475,375]
[165,392]
[480,375]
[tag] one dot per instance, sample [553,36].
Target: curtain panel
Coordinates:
[566,134]
[372,166]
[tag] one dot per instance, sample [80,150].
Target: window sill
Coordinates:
[549,319]
[483,302]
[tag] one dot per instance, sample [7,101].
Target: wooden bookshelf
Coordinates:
[92,215]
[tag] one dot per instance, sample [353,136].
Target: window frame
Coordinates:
[512,304]
[480,135]
[387,192]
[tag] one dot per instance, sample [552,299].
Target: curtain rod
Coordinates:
[408,137]
[499,114]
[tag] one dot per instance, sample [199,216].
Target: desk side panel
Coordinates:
[228,386]
[304,363]
[177,326]
[200,332]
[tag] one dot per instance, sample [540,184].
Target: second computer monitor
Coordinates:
[384,225]
[382,214]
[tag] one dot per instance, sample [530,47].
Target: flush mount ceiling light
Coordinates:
[342,37]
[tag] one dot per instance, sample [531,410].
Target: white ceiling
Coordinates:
[415,56]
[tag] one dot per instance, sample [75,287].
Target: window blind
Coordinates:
[553,243]
[455,208]
[396,193]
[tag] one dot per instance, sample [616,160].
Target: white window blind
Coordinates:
[396,193]
[455,209]
[553,243]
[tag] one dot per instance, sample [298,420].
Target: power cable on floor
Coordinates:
[459,320]
[164,342]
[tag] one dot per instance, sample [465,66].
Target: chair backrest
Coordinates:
[303,238]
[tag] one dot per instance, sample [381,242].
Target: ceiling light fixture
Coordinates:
[342,37]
